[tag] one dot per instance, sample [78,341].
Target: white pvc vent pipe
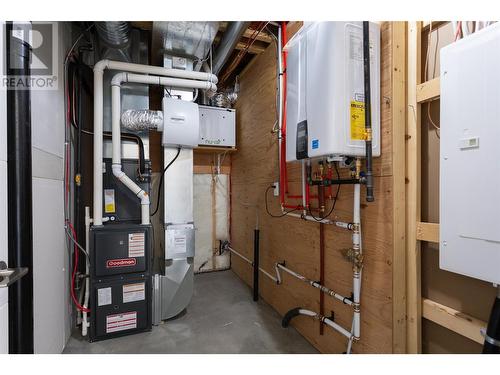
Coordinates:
[116,83]
[99,69]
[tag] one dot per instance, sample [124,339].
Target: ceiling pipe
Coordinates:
[230,39]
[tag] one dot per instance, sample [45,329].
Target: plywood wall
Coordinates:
[255,167]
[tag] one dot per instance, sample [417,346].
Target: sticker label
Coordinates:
[109,201]
[104,296]
[126,262]
[121,322]
[357,120]
[180,243]
[136,245]
[134,292]
[315,144]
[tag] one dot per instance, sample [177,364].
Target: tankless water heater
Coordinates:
[325,90]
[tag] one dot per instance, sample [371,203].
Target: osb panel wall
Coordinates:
[255,167]
[465,294]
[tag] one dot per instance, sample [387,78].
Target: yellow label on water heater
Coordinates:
[357,120]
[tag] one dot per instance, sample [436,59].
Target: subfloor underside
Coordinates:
[221,318]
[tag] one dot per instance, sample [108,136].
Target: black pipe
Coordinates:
[492,339]
[328,182]
[285,322]
[256,265]
[368,115]
[20,226]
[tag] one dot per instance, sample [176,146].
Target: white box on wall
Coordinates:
[217,126]
[470,156]
[325,89]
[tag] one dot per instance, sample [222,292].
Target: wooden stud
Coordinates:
[428,232]
[435,25]
[428,91]
[413,192]
[454,320]
[398,107]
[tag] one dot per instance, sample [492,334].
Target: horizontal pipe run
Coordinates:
[310,218]
[328,182]
[300,311]
[273,278]
[317,285]
[240,255]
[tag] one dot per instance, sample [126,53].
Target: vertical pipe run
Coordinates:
[368,115]
[256,264]
[321,272]
[492,337]
[19,190]
[356,244]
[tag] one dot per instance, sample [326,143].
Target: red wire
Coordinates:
[73,274]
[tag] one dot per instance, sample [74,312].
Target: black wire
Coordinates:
[334,199]
[267,207]
[161,181]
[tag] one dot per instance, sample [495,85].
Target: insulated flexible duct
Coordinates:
[142,119]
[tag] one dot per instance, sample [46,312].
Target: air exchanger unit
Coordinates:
[325,90]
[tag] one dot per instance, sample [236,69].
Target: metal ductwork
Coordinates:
[116,34]
[227,44]
[115,38]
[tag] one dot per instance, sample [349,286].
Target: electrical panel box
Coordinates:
[469,156]
[325,90]
[181,123]
[217,126]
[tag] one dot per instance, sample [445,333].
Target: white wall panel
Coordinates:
[52,309]
[49,259]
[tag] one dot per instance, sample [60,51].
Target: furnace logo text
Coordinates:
[117,263]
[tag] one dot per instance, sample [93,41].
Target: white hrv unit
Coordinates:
[217,126]
[470,155]
[325,90]
[181,123]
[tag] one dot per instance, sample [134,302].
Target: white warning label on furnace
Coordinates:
[136,245]
[104,296]
[134,292]
[121,322]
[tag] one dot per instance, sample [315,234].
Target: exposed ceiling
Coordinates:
[253,42]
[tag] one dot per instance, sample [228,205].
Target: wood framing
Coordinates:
[454,320]
[398,106]
[428,232]
[428,91]
[413,190]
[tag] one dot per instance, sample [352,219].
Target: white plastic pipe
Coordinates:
[356,242]
[99,69]
[116,82]
[327,321]
[309,218]
[85,323]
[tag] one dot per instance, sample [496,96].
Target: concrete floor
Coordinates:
[222,318]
